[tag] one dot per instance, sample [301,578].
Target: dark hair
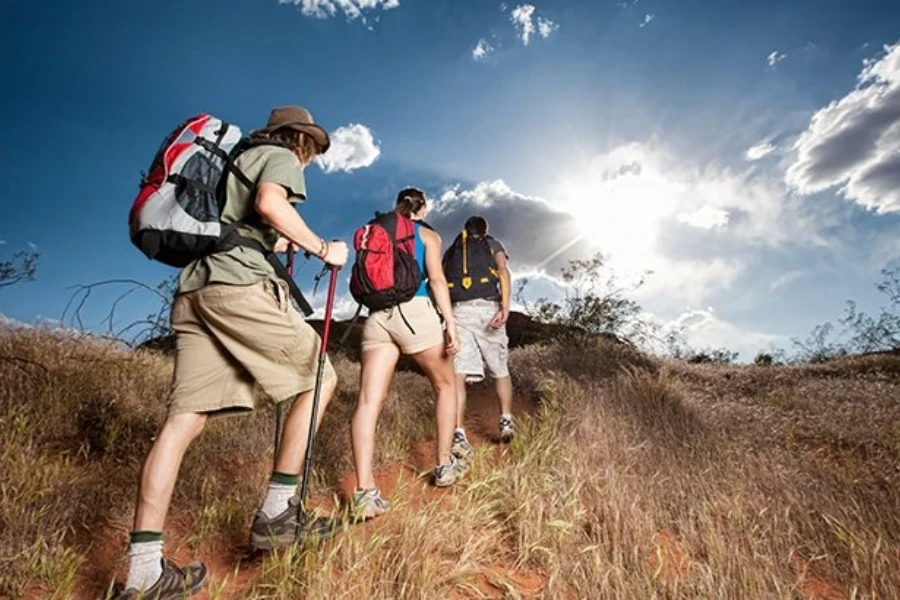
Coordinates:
[410,201]
[477,226]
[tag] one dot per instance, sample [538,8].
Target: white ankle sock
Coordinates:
[277,497]
[144,564]
[460,430]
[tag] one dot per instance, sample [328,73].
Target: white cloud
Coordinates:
[759,151]
[775,57]
[853,142]
[647,19]
[351,9]
[522,17]
[787,278]
[513,218]
[706,217]
[546,27]
[481,49]
[705,329]
[352,147]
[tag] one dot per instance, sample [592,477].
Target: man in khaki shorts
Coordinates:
[235,327]
[477,271]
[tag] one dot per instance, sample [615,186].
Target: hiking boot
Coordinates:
[446,475]
[174,583]
[507,429]
[368,504]
[293,526]
[461,448]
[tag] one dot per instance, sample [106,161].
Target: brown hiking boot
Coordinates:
[174,583]
[293,526]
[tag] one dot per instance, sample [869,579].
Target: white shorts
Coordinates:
[480,345]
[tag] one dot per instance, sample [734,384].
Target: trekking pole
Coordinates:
[320,373]
[279,408]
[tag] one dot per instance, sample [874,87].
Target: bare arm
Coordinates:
[505,280]
[272,204]
[437,281]
[505,284]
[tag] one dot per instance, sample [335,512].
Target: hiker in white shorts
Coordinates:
[476,267]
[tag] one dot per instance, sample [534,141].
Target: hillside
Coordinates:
[631,478]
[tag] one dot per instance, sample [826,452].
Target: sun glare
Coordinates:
[620,212]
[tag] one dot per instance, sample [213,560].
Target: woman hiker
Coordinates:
[414,329]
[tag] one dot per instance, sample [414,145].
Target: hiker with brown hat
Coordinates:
[235,327]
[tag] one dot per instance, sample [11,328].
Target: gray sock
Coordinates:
[277,497]
[144,564]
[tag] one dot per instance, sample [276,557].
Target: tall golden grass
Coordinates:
[635,478]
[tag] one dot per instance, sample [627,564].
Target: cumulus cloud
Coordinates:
[351,9]
[481,49]
[352,147]
[537,235]
[759,151]
[522,17]
[775,57]
[647,19]
[706,217]
[705,329]
[853,142]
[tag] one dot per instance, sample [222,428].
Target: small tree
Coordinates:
[22,267]
[154,326]
[711,356]
[763,359]
[880,332]
[595,302]
[818,347]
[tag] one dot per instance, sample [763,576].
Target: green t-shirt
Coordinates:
[245,266]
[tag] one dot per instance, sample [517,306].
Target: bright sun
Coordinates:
[620,212]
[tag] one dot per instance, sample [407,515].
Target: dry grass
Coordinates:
[634,479]
[76,419]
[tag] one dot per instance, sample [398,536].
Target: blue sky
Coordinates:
[746,152]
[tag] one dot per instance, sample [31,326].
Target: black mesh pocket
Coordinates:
[196,187]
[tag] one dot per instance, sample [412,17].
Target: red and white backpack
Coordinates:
[176,217]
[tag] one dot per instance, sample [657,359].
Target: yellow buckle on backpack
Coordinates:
[466,282]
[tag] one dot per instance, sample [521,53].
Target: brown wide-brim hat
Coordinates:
[299,119]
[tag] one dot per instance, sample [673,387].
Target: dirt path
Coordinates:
[229,558]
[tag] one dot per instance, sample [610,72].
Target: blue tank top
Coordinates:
[420,258]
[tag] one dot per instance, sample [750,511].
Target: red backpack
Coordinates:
[385,272]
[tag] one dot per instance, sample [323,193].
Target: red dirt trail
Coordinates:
[229,558]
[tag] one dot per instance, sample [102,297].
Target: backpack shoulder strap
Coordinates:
[231,239]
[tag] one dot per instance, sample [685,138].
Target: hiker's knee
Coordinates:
[184,427]
[444,382]
[369,400]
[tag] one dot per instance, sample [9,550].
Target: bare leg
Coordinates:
[161,469]
[460,400]
[375,376]
[295,436]
[505,394]
[438,367]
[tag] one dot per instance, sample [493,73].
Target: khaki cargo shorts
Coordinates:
[480,345]
[232,336]
[388,327]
